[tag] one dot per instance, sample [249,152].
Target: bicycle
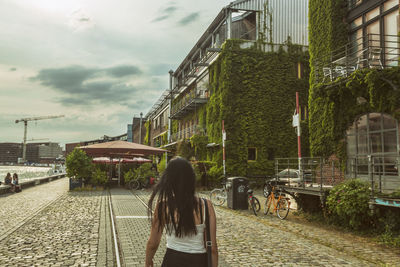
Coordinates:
[254,203]
[140,182]
[218,196]
[279,202]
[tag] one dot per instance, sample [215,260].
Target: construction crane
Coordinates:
[25,120]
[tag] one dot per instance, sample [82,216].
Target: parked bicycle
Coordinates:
[141,182]
[278,201]
[218,196]
[254,203]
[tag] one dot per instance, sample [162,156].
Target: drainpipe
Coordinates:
[171,73]
[229,24]
[140,128]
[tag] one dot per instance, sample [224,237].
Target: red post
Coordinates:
[298,127]
[223,147]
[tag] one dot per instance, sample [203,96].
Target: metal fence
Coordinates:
[381,171]
[369,51]
[316,172]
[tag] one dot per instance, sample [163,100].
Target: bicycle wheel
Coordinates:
[257,204]
[134,185]
[283,208]
[268,204]
[254,205]
[217,197]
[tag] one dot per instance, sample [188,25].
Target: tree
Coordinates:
[79,165]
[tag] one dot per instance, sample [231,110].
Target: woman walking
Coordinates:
[182,214]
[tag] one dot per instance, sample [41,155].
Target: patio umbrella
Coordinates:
[120,149]
[108,160]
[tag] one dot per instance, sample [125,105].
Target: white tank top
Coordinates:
[188,244]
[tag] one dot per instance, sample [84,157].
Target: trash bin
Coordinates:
[237,193]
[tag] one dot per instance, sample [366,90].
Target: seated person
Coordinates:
[15,183]
[7,179]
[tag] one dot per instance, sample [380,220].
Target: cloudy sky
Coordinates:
[98,62]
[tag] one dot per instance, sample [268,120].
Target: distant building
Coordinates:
[35,152]
[137,137]
[129,133]
[43,152]
[69,147]
[10,152]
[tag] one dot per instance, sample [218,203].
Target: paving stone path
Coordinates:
[62,234]
[54,227]
[18,207]
[268,241]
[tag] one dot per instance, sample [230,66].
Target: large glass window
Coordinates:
[374,134]
[389,4]
[380,26]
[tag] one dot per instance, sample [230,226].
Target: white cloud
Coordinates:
[110,37]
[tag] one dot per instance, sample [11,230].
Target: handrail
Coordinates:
[368,51]
[188,132]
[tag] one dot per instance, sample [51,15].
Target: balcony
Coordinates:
[371,51]
[187,133]
[188,102]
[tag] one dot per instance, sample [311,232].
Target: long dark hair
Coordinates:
[176,198]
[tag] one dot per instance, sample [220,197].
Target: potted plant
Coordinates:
[79,168]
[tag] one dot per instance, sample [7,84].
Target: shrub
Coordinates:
[129,175]
[347,205]
[79,165]
[145,171]
[99,177]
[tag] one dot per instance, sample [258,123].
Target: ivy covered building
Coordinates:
[244,71]
[354,98]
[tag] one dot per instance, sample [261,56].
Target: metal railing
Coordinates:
[369,51]
[188,132]
[381,171]
[317,173]
[188,99]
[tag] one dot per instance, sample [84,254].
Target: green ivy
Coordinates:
[199,144]
[147,136]
[327,30]
[334,106]
[254,93]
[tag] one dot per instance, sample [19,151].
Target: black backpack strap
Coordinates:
[208,237]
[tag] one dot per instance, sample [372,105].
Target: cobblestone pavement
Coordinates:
[17,208]
[267,240]
[62,229]
[58,228]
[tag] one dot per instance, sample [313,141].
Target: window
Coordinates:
[355,23]
[389,4]
[381,25]
[374,134]
[372,14]
[251,153]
